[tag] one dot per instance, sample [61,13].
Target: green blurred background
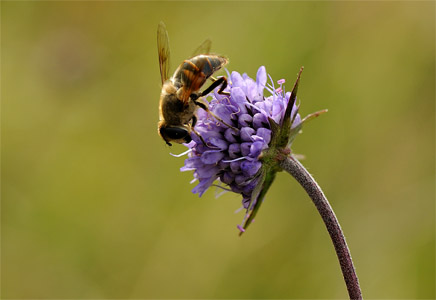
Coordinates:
[93,205]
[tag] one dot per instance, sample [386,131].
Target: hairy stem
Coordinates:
[297,170]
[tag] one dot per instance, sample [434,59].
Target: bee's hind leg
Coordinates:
[223,85]
[216,82]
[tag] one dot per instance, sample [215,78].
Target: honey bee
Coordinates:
[181,96]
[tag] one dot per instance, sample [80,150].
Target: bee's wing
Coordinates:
[163,49]
[204,48]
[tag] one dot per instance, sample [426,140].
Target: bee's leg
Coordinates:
[194,96]
[201,138]
[206,108]
[216,82]
[203,141]
[223,86]
[194,121]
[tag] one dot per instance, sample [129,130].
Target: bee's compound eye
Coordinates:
[176,133]
[187,138]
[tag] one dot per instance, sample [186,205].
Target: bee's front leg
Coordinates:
[199,103]
[206,108]
[194,121]
[194,96]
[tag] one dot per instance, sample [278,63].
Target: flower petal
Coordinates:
[219,143]
[245,120]
[239,99]
[206,171]
[245,148]
[265,134]
[261,79]
[203,186]
[240,179]
[250,168]
[231,135]
[235,166]
[227,177]
[235,150]
[211,156]
[251,89]
[246,134]
[256,148]
[260,120]
[236,79]
[223,112]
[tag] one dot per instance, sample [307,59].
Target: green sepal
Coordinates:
[286,121]
[313,115]
[279,136]
[265,181]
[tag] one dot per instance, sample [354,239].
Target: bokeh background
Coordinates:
[94,206]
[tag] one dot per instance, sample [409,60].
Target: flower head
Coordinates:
[243,156]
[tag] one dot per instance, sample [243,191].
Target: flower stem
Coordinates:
[297,170]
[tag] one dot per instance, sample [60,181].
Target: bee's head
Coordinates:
[177,134]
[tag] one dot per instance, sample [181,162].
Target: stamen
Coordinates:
[181,154]
[228,76]
[235,113]
[252,105]
[240,227]
[239,209]
[236,159]
[281,81]
[220,194]
[272,83]
[221,187]
[269,90]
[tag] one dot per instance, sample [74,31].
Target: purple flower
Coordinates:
[264,120]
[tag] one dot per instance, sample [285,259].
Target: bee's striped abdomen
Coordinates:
[194,72]
[209,64]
